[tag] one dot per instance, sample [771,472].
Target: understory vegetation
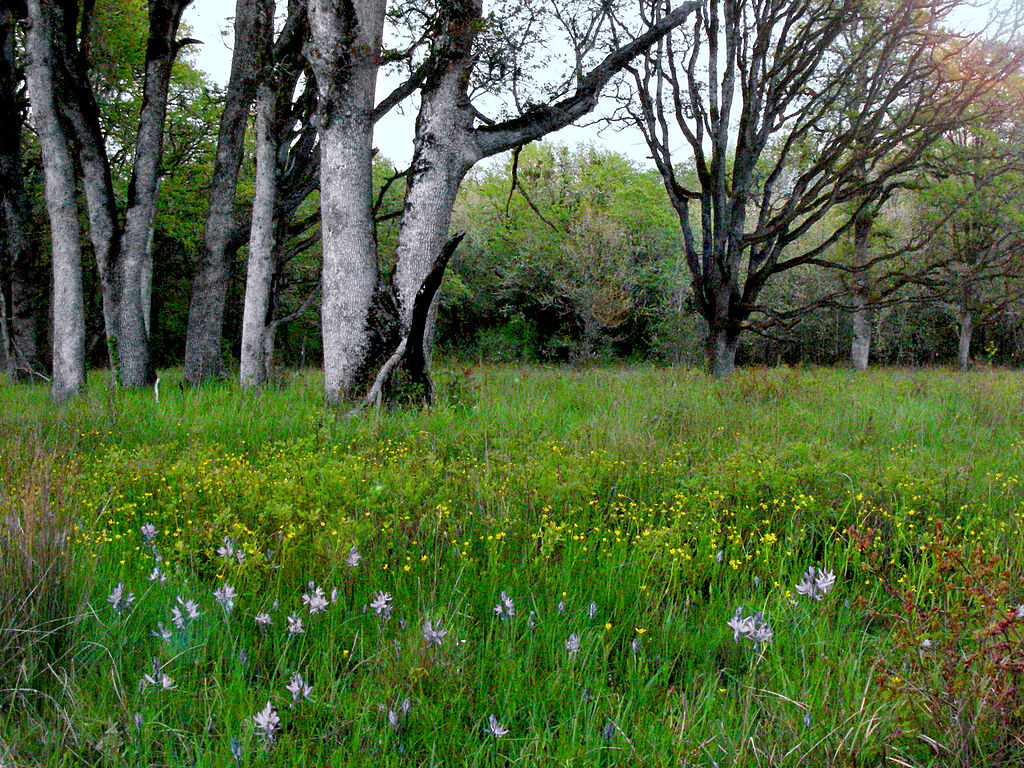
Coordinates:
[552,567]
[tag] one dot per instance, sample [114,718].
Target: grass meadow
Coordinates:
[635,566]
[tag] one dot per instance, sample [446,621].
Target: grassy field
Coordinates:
[552,567]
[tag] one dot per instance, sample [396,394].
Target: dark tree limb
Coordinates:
[404,377]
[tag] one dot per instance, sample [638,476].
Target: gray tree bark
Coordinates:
[161,50]
[963,356]
[18,253]
[19,293]
[344,55]
[80,110]
[203,358]
[147,283]
[860,347]
[863,320]
[443,153]
[257,333]
[45,19]
[448,143]
[963,353]
[722,353]
[7,365]
[276,123]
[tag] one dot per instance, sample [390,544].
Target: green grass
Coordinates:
[661,496]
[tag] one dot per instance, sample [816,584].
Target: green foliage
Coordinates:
[571,264]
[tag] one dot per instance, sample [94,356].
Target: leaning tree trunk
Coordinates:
[404,376]
[345,57]
[68,307]
[161,50]
[443,154]
[203,359]
[448,144]
[83,115]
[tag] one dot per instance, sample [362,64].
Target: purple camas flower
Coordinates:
[315,599]
[298,688]
[225,597]
[494,728]
[816,583]
[433,634]
[353,557]
[506,608]
[295,625]
[572,644]
[382,605]
[267,724]
[753,628]
[120,599]
[149,533]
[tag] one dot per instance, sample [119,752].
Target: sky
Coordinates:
[211,22]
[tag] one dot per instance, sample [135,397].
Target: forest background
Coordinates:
[573,253]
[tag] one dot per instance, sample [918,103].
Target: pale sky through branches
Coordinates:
[211,22]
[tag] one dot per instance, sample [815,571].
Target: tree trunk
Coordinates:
[203,360]
[19,260]
[860,348]
[963,354]
[448,145]
[722,346]
[147,283]
[257,342]
[443,153]
[68,306]
[344,56]
[7,366]
[404,377]
[161,49]
[82,113]
[277,147]
[19,289]
[79,108]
